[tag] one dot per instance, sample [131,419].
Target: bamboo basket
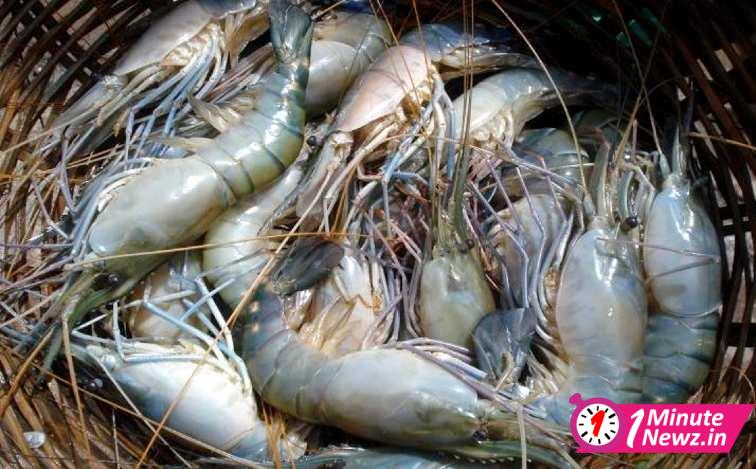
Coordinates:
[50,50]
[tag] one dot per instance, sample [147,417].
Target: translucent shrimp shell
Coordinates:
[178,27]
[344,45]
[399,72]
[454,296]
[601,317]
[236,253]
[213,408]
[679,222]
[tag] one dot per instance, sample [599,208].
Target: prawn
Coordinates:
[398,94]
[388,394]
[686,288]
[603,333]
[213,408]
[184,53]
[196,189]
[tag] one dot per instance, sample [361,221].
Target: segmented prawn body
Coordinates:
[554,149]
[388,395]
[239,245]
[501,104]
[343,47]
[602,334]
[681,258]
[245,158]
[195,190]
[213,408]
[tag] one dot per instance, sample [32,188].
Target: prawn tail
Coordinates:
[678,356]
[310,261]
[290,31]
[507,450]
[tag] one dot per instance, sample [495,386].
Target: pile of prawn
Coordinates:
[317,225]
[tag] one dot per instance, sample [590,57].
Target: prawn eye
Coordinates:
[313,141]
[480,435]
[630,222]
[94,384]
[106,281]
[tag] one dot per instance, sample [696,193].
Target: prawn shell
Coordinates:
[212,408]
[601,305]
[243,222]
[177,27]
[174,202]
[502,103]
[178,200]
[557,149]
[330,74]
[364,32]
[379,91]
[679,352]
[454,296]
[339,324]
[344,45]
[420,397]
[676,220]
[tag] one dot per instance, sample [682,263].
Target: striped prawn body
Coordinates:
[174,201]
